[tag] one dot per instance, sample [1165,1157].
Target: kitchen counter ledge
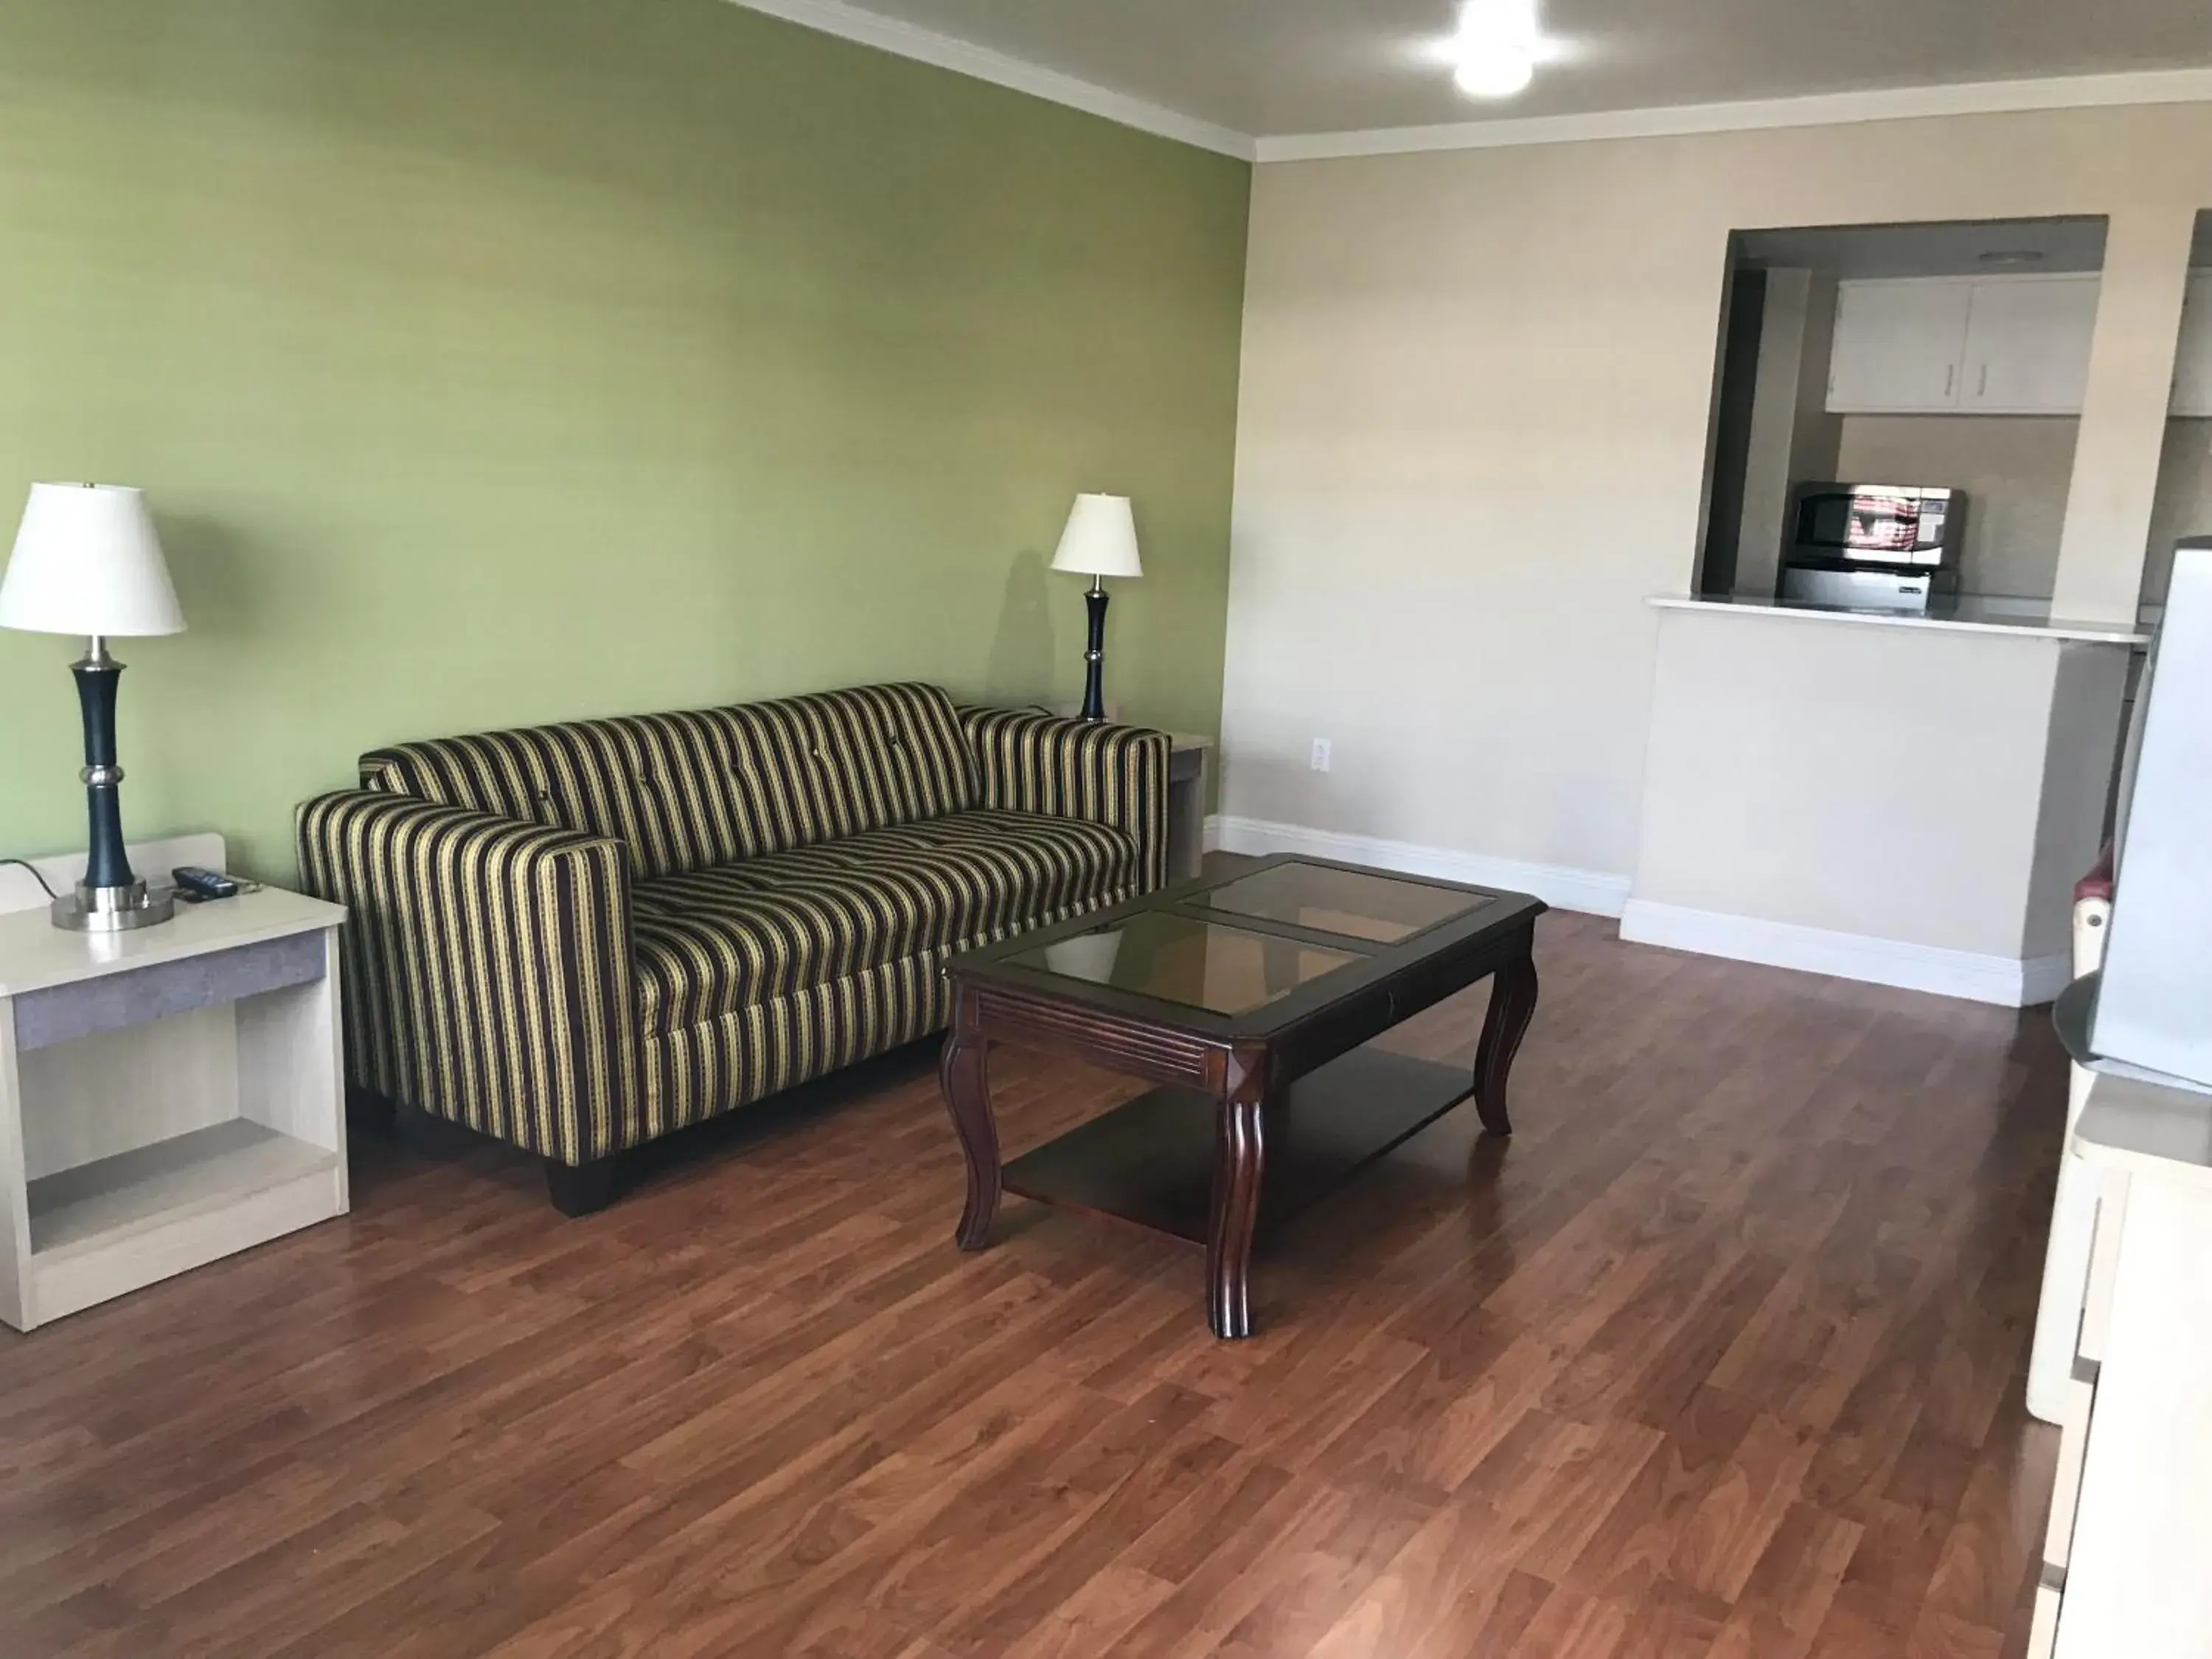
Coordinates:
[1965,616]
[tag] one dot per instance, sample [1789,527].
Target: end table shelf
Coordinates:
[76,1212]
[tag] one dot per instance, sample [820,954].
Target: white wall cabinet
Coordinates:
[2027,346]
[2192,362]
[1990,345]
[1899,346]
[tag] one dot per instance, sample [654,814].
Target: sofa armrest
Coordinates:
[1072,769]
[487,968]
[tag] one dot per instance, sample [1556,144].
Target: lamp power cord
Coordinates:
[25,864]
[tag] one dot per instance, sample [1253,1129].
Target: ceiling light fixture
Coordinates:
[1499,45]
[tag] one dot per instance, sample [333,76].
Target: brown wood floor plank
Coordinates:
[1721,1355]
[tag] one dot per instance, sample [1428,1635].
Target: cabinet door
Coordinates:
[2192,360]
[2028,346]
[1898,346]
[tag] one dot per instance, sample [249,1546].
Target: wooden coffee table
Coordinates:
[1249,998]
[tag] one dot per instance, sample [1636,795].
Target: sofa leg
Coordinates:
[580,1189]
[371,1113]
[413,1127]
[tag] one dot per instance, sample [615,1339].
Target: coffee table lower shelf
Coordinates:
[1150,1160]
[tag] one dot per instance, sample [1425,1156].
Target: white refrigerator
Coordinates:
[2152,1015]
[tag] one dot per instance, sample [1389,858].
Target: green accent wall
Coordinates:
[493,362]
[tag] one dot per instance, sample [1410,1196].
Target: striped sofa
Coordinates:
[578,938]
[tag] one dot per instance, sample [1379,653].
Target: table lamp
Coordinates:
[87,561]
[1099,541]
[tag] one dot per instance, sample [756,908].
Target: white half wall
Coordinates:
[1902,804]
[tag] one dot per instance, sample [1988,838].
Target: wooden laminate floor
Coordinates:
[1721,1355]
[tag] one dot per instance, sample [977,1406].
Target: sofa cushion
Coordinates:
[711,941]
[663,784]
[827,767]
[691,791]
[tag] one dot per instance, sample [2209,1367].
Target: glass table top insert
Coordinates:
[1186,960]
[1381,909]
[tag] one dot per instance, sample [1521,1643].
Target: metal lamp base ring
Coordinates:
[113,910]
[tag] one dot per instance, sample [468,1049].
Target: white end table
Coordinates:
[1189,759]
[168,1096]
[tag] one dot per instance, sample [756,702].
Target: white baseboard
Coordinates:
[2042,978]
[1590,890]
[1210,837]
[2009,982]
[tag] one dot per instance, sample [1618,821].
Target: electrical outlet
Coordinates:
[1320,762]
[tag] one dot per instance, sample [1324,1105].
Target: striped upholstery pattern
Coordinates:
[717,940]
[690,791]
[1112,775]
[576,938]
[764,1048]
[486,968]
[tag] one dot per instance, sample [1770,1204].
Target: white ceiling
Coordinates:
[1269,68]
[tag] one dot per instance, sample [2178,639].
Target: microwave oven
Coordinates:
[1848,525]
[1873,547]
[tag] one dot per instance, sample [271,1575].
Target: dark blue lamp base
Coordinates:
[1094,659]
[110,899]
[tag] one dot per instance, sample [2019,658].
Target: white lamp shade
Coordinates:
[87,561]
[1101,538]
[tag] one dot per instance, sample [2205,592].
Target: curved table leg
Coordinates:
[1512,1002]
[1240,1152]
[963,1073]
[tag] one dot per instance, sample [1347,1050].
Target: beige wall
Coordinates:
[2016,470]
[2131,360]
[1793,436]
[2182,505]
[1472,431]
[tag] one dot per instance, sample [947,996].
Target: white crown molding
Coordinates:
[1591,890]
[2190,86]
[2009,982]
[928,47]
